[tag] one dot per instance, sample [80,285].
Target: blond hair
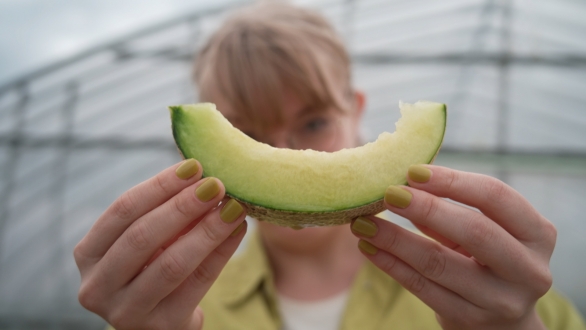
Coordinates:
[268,48]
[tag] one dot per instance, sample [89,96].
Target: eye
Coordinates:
[316,124]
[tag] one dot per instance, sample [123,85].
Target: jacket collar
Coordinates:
[251,271]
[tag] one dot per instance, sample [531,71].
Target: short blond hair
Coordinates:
[268,48]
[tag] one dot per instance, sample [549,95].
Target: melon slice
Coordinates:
[306,187]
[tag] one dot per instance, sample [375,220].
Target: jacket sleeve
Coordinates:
[558,313]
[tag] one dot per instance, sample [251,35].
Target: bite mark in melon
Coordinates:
[306,187]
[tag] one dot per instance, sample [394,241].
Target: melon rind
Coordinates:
[201,132]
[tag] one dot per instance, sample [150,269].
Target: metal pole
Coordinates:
[13,156]
[59,188]
[503,114]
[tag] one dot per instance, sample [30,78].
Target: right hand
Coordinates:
[151,257]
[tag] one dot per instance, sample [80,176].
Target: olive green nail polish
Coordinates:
[367,247]
[207,190]
[231,211]
[238,229]
[187,169]
[419,173]
[364,226]
[398,197]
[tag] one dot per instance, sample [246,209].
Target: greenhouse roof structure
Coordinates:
[76,134]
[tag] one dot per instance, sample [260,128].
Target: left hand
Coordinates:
[486,270]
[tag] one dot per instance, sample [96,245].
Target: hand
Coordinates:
[486,269]
[154,253]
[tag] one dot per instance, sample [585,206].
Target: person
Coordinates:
[160,257]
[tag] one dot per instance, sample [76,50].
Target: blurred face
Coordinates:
[302,127]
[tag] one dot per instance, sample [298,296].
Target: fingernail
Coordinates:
[207,190]
[419,173]
[187,169]
[366,247]
[364,226]
[238,229]
[398,197]
[231,211]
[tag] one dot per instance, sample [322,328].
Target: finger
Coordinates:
[430,233]
[135,203]
[182,258]
[441,265]
[131,252]
[441,300]
[442,240]
[481,237]
[176,237]
[181,233]
[192,290]
[494,198]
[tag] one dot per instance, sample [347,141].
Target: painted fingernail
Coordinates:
[207,190]
[187,169]
[366,247]
[364,226]
[419,173]
[398,197]
[238,229]
[231,211]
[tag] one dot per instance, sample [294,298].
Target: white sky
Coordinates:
[34,33]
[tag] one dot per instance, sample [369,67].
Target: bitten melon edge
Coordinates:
[201,132]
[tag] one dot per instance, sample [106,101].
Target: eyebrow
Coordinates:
[309,110]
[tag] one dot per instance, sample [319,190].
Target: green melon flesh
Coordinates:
[306,187]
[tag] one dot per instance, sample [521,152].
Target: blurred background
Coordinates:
[84,87]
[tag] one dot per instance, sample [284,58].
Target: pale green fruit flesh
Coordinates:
[300,187]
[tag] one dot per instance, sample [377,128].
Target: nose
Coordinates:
[281,143]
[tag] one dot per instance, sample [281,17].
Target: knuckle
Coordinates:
[391,240]
[121,318]
[416,283]
[127,314]
[124,207]
[430,207]
[173,268]
[203,274]
[542,282]
[510,308]
[162,185]
[388,264]
[496,190]
[181,207]
[433,263]
[139,237]
[210,232]
[478,232]
[450,179]
[198,319]
[78,254]
[88,296]
[550,234]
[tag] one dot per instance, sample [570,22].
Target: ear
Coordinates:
[359,105]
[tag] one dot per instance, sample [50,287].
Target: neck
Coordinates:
[318,269]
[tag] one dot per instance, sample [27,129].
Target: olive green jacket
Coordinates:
[244,297]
